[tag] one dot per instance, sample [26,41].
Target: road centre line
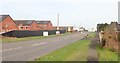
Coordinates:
[11,49]
[39,44]
[21,47]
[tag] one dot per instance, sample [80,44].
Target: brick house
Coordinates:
[44,25]
[6,24]
[26,25]
[67,28]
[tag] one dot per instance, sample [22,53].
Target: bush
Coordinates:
[119,36]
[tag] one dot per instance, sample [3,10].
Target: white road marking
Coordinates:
[11,49]
[7,49]
[17,48]
[21,47]
[39,44]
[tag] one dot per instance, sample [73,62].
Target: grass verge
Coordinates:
[106,55]
[73,52]
[10,40]
[92,34]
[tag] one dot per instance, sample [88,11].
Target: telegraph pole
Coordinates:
[58,21]
[58,32]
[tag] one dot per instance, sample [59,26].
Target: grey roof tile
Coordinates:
[24,22]
[2,17]
[42,22]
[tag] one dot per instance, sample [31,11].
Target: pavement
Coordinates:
[30,50]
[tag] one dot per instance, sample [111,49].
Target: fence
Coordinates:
[26,33]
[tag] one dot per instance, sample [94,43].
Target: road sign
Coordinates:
[45,33]
[57,32]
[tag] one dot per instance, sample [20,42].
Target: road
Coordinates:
[30,50]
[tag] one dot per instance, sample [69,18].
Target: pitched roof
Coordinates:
[24,22]
[2,17]
[42,22]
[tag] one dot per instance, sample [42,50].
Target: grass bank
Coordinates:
[74,52]
[10,40]
[106,54]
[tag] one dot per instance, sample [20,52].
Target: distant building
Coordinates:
[6,24]
[81,29]
[26,25]
[67,28]
[44,25]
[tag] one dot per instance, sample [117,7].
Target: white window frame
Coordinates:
[26,26]
[20,27]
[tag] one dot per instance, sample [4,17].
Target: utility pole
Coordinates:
[57,32]
[58,21]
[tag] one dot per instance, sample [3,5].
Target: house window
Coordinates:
[26,27]
[21,27]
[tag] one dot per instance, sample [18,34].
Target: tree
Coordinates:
[101,27]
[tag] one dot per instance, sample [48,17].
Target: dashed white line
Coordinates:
[7,49]
[21,47]
[17,48]
[39,44]
[11,49]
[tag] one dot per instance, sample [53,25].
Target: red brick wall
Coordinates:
[33,26]
[7,24]
[45,26]
[49,26]
[24,27]
[41,26]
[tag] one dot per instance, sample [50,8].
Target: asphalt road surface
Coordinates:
[30,50]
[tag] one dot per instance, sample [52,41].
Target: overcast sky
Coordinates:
[80,13]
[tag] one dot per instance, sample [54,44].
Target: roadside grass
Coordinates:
[76,51]
[73,52]
[10,40]
[105,54]
[92,34]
